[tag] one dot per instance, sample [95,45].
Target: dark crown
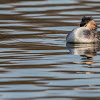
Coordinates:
[85,20]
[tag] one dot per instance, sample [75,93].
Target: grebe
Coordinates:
[86,33]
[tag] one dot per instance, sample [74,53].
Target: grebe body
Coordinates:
[82,35]
[86,33]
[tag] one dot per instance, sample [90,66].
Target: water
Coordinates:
[35,63]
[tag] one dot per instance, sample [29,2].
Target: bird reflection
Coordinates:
[86,51]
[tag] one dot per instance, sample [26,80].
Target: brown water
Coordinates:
[35,63]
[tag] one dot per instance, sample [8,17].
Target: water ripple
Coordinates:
[35,62]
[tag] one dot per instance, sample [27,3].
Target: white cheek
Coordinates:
[88,24]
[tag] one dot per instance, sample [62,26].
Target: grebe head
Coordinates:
[89,23]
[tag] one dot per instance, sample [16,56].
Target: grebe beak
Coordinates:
[95,26]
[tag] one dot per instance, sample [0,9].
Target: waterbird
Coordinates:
[86,33]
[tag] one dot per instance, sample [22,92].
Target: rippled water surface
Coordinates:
[35,63]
